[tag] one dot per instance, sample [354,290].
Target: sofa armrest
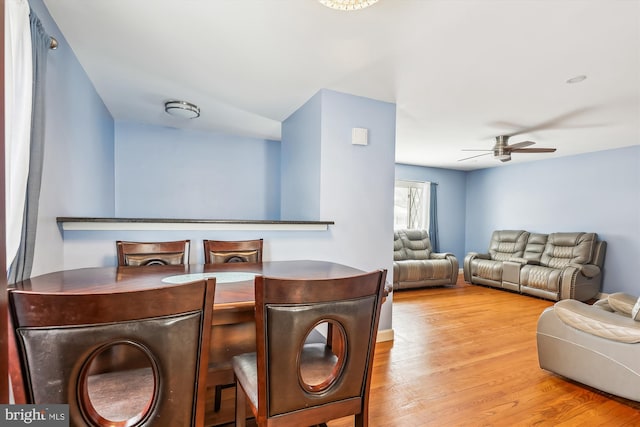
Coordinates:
[396,272]
[580,281]
[440,255]
[466,266]
[511,272]
[596,321]
[587,270]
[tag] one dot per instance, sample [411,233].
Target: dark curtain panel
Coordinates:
[40,42]
[433,217]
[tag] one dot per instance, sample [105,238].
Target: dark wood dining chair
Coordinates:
[225,251]
[222,251]
[293,381]
[153,253]
[68,343]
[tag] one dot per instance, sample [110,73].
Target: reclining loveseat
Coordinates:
[554,266]
[416,265]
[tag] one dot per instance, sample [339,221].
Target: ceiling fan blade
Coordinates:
[556,122]
[520,145]
[533,150]
[473,157]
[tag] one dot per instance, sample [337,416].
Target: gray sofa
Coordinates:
[597,345]
[552,266]
[416,265]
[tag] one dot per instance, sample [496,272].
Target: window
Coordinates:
[411,205]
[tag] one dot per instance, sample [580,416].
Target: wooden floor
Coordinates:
[466,356]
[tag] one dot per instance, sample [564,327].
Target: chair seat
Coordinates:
[540,277]
[316,358]
[245,367]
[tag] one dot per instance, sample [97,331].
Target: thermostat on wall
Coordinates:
[359,136]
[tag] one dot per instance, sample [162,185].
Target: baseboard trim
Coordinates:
[385,335]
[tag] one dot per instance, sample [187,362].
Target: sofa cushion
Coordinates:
[487,269]
[507,244]
[535,246]
[398,248]
[417,244]
[417,270]
[563,249]
[540,277]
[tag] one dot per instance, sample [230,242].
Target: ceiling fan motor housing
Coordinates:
[500,150]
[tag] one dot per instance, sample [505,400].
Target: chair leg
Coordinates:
[241,406]
[217,399]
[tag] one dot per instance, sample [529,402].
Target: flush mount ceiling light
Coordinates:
[347,4]
[182,109]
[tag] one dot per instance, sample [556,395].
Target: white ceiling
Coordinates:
[459,71]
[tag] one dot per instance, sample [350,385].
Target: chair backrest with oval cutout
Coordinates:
[224,251]
[152,253]
[296,373]
[120,358]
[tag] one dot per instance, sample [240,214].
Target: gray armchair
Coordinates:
[596,345]
[416,265]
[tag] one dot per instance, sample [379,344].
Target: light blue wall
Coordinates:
[78,161]
[356,184]
[300,167]
[596,192]
[452,194]
[163,172]
[357,181]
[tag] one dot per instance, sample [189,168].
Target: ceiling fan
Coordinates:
[502,150]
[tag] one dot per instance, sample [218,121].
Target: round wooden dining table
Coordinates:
[233,322]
